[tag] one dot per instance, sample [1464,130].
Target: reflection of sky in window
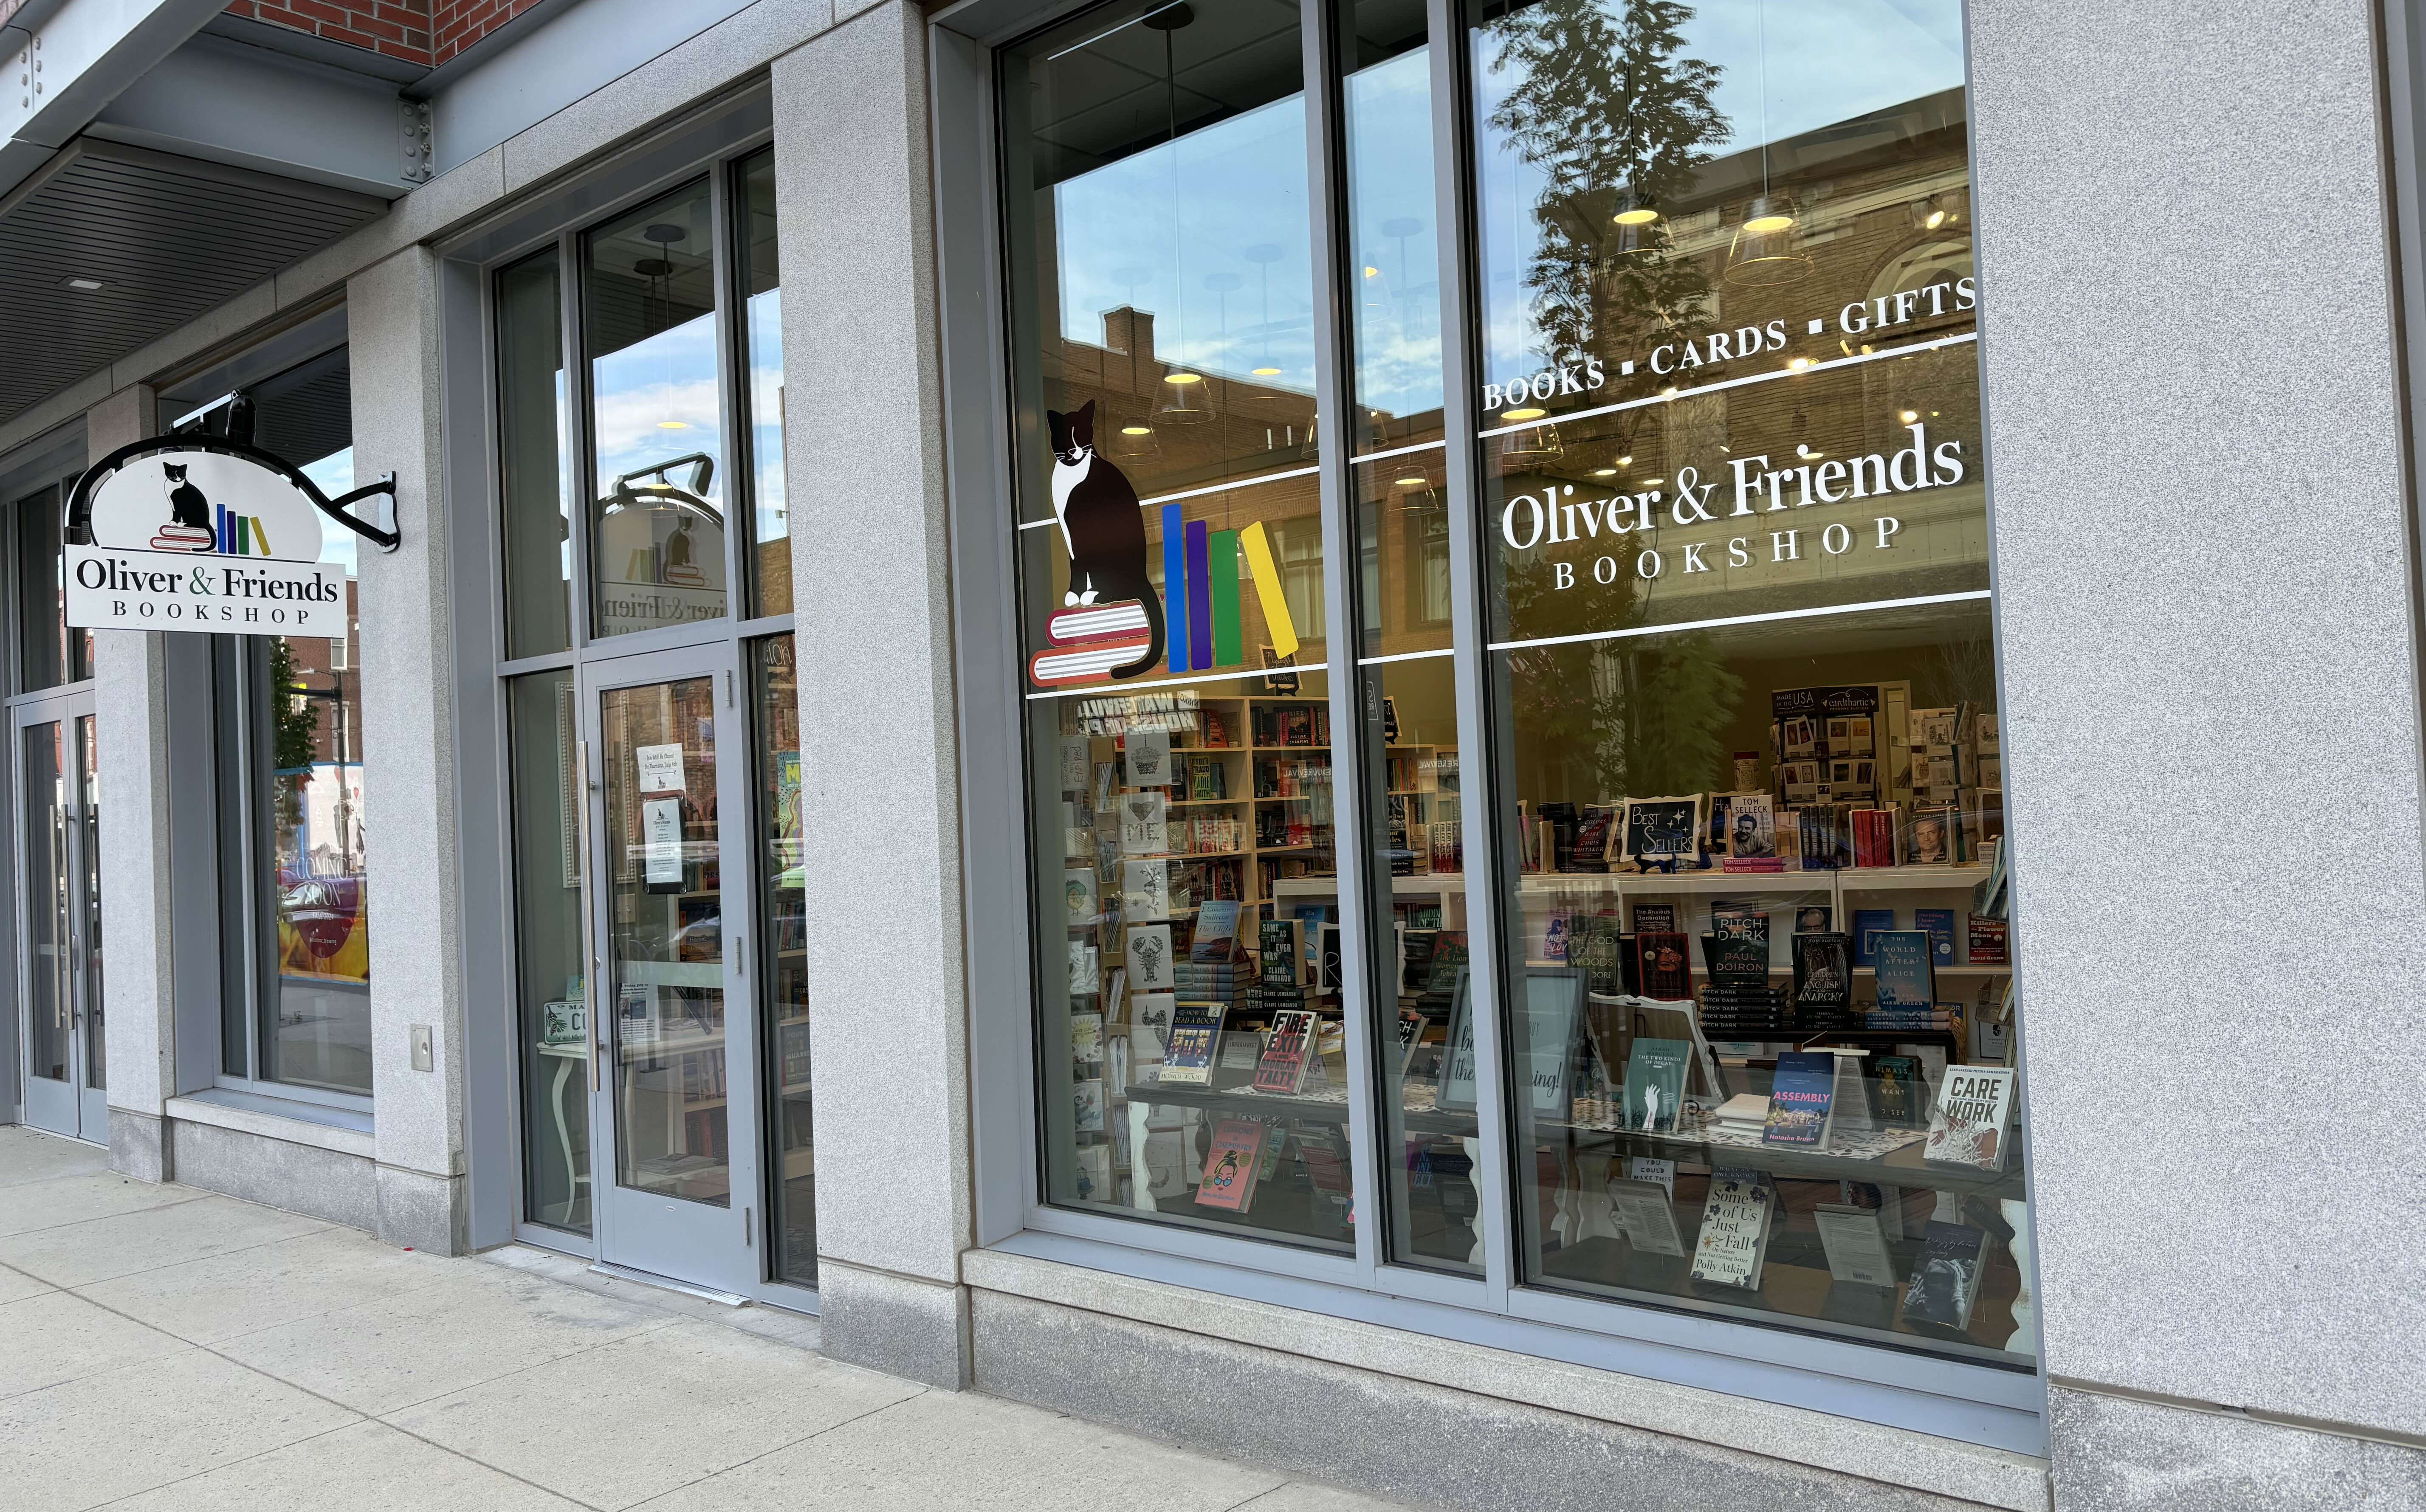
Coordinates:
[1149,229]
[766,410]
[655,400]
[334,474]
[1828,61]
[1390,181]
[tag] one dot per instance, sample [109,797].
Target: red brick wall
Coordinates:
[400,28]
[456,25]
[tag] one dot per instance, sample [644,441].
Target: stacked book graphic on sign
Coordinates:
[1200,610]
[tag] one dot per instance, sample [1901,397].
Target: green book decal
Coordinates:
[1223,564]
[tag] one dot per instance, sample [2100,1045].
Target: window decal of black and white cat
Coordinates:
[1111,624]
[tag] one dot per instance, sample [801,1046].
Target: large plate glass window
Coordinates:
[1192,1063]
[1742,669]
[294,885]
[656,417]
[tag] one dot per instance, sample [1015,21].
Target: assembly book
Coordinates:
[1802,1099]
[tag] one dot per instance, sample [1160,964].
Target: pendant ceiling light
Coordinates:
[1134,440]
[1186,397]
[1767,250]
[1264,254]
[1534,446]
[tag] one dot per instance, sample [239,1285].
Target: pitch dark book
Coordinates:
[1737,949]
[1945,1278]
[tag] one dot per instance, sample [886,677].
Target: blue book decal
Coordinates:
[1938,923]
[1867,922]
[1174,587]
[1907,979]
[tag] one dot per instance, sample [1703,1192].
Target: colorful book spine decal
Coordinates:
[1201,610]
[1174,590]
[1277,622]
[240,535]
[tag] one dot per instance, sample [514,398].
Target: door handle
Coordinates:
[589,989]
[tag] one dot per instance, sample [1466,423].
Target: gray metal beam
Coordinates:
[63,69]
[250,107]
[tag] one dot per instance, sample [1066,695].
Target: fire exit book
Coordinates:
[1287,1056]
[1230,1166]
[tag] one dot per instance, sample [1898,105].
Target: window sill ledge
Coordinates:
[340,1130]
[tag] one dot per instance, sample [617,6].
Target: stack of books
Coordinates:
[1745,1012]
[1746,1113]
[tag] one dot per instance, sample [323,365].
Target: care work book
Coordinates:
[1966,1124]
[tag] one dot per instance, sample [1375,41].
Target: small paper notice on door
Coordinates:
[661,769]
[661,850]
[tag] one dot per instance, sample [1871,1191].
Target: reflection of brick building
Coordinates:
[325,679]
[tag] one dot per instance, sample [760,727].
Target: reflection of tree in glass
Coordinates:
[1613,119]
[294,732]
[1611,115]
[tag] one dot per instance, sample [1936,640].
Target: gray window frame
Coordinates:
[1982,1403]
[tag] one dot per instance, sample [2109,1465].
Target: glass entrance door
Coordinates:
[59,853]
[670,882]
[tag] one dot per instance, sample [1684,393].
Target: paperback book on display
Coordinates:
[1734,1239]
[1646,1215]
[1801,1100]
[1967,1123]
[1195,1036]
[1661,965]
[1287,1056]
[1855,1240]
[1907,971]
[1655,1085]
[1232,1165]
[1946,1277]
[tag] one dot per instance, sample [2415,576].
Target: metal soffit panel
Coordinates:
[168,237]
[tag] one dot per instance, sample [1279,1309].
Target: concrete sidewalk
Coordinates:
[165,1347]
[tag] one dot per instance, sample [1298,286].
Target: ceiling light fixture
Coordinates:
[1604,472]
[87,285]
[1530,411]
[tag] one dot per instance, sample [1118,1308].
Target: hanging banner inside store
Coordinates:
[191,532]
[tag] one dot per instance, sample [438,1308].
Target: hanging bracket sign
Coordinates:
[191,532]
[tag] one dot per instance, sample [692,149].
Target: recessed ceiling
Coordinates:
[168,237]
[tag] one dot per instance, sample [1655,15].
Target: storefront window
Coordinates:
[1743,668]
[535,478]
[771,548]
[1723,1013]
[52,653]
[784,965]
[649,321]
[543,736]
[1171,530]
[294,894]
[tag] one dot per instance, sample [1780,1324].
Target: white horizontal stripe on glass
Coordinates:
[1683,625]
[1198,493]
[1120,690]
[1734,383]
[1405,656]
[1399,451]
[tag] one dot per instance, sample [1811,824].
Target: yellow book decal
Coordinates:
[260,536]
[1268,588]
